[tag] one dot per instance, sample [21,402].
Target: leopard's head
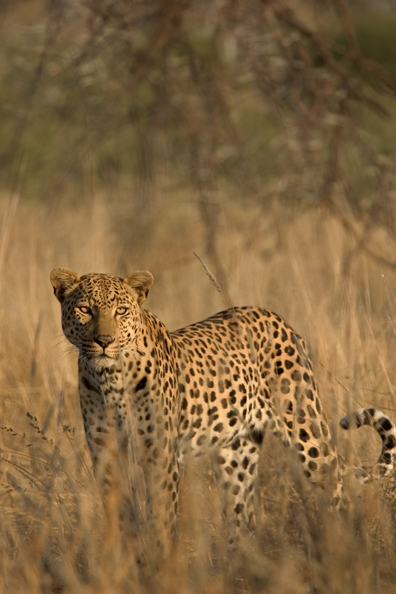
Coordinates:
[101,312]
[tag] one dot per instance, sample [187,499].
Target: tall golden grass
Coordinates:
[54,535]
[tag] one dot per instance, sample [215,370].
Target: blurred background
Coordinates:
[258,135]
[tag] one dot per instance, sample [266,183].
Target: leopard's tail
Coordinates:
[385,429]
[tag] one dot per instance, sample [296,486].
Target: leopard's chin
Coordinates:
[100,361]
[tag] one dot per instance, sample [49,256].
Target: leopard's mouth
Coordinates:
[91,351]
[101,355]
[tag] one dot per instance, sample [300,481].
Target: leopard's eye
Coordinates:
[120,311]
[84,309]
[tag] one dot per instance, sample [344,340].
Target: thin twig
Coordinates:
[210,274]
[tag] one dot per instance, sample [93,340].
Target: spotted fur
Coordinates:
[215,386]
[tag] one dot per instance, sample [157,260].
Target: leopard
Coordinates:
[151,397]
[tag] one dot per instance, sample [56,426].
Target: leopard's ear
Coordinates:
[140,281]
[63,280]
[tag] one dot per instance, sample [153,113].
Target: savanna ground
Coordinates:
[326,265]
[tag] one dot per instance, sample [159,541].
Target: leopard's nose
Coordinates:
[103,340]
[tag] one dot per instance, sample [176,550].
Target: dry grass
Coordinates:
[54,536]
